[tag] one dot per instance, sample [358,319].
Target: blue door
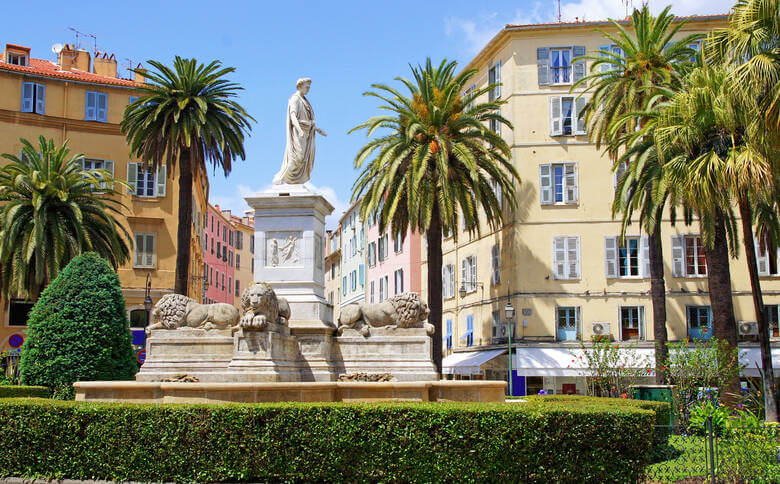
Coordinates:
[699,322]
[567,323]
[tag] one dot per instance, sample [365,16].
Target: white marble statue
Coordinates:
[301,131]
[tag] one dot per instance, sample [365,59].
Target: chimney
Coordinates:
[104,65]
[139,76]
[67,57]
[81,62]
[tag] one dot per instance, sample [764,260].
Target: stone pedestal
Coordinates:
[315,345]
[194,352]
[264,356]
[404,353]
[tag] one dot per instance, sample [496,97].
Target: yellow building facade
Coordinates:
[81,99]
[244,270]
[557,258]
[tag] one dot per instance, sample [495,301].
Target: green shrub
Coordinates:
[697,422]
[78,329]
[15,391]
[387,442]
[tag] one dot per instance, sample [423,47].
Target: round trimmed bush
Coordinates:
[78,330]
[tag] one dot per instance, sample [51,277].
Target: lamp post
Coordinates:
[509,312]
[148,298]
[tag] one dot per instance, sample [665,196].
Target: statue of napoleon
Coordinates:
[299,153]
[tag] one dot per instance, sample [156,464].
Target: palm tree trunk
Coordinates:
[719,281]
[658,297]
[184,234]
[770,401]
[434,284]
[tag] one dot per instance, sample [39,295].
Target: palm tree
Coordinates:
[435,159]
[52,211]
[640,68]
[751,43]
[708,141]
[187,114]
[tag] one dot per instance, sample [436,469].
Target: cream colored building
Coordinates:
[333,270]
[556,258]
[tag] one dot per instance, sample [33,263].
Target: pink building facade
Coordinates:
[218,258]
[393,265]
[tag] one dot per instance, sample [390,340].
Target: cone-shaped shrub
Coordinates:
[78,330]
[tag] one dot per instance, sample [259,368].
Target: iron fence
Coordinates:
[734,455]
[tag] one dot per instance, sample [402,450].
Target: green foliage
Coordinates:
[78,330]
[18,391]
[51,211]
[701,411]
[609,366]
[388,442]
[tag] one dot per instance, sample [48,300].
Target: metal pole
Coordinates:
[711,453]
[509,344]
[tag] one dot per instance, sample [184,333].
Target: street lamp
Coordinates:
[509,312]
[148,298]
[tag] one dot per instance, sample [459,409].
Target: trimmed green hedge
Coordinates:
[15,391]
[389,442]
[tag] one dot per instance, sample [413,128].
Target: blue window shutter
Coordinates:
[543,65]
[470,330]
[579,66]
[28,90]
[40,99]
[90,106]
[102,107]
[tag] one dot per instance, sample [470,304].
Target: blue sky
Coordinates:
[343,46]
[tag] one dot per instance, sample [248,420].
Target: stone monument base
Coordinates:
[264,356]
[195,352]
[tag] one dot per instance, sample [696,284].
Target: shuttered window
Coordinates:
[558,183]
[566,257]
[688,259]
[145,181]
[767,258]
[557,66]
[33,98]
[469,273]
[567,115]
[399,281]
[628,260]
[495,259]
[448,281]
[145,251]
[96,106]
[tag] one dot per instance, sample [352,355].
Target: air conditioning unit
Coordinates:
[747,328]
[600,328]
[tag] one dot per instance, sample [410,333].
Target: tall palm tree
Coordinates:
[187,115]
[709,145]
[435,159]
[640,67]
[751,43]
[51,211]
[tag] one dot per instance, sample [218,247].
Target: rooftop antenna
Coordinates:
[82,34]
[559,11]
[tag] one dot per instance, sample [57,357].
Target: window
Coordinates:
[448,281]
[558,184]
[567,115]
[494,77]
[371,292]
[772,317]
[556,66]
[696,46]
[17,58]
[353,281]
[620,172]
[688,256]
[399,281]
[448,334]
[362,275]
[398,243]
[767,258]
[219,249]
[252,265]
[383,248]
[467,93]
[230,258]
[566,257]
[469,273]
[613,49]
[344,285]
[224,233]
[19,311]
[495,259]
[230,283]
[630,259]
[223,281]
[568,319]
[230,238]
[497,324]
[33,98]
[145,252]
[252,244]
[498,192]
[699,322]
[211,275]
[212,246]
[384,288]
[139,318]
[632,323]
[333,270]
[238,261]
[91,164]
[469,334]
[146,182]
[239,240]
[372,254]
[96,106]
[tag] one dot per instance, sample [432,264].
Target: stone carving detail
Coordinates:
[260,306]
[174,311]
[283,248]
[405,310]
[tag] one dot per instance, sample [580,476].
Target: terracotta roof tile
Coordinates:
[46,68]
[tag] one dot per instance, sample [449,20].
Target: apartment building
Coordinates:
[393,263]
[218,257]
[333,270]
[353,256]
[79,97]
[244,250]
[558,259]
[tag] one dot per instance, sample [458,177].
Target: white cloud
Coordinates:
[237,203]
[602,9]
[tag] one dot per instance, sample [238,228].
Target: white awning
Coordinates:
[570,361]
[752,357]
[468,363]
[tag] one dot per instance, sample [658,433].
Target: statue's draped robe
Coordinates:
[299,153]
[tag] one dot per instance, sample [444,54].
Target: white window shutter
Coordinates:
[573,256]
[161,180]
[545,184]
[139,249]
[579,116]
[498,79]
[762,259]
[40,99]
[132,176]
[602,50]
[102,106]
[678,253]
[452,280]
[27,97]
[473,272]
[465,276]
[644,251]
[543,65]
[570,181]
[108,165]
[151,252]
[579,66]
[90,106]
[559,257]
[496,262]
[444,287]
[555,116]
[610,257]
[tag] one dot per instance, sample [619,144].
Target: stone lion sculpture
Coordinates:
[260,306]
[405,310]
[174,311]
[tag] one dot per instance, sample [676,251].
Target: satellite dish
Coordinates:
[56,48]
